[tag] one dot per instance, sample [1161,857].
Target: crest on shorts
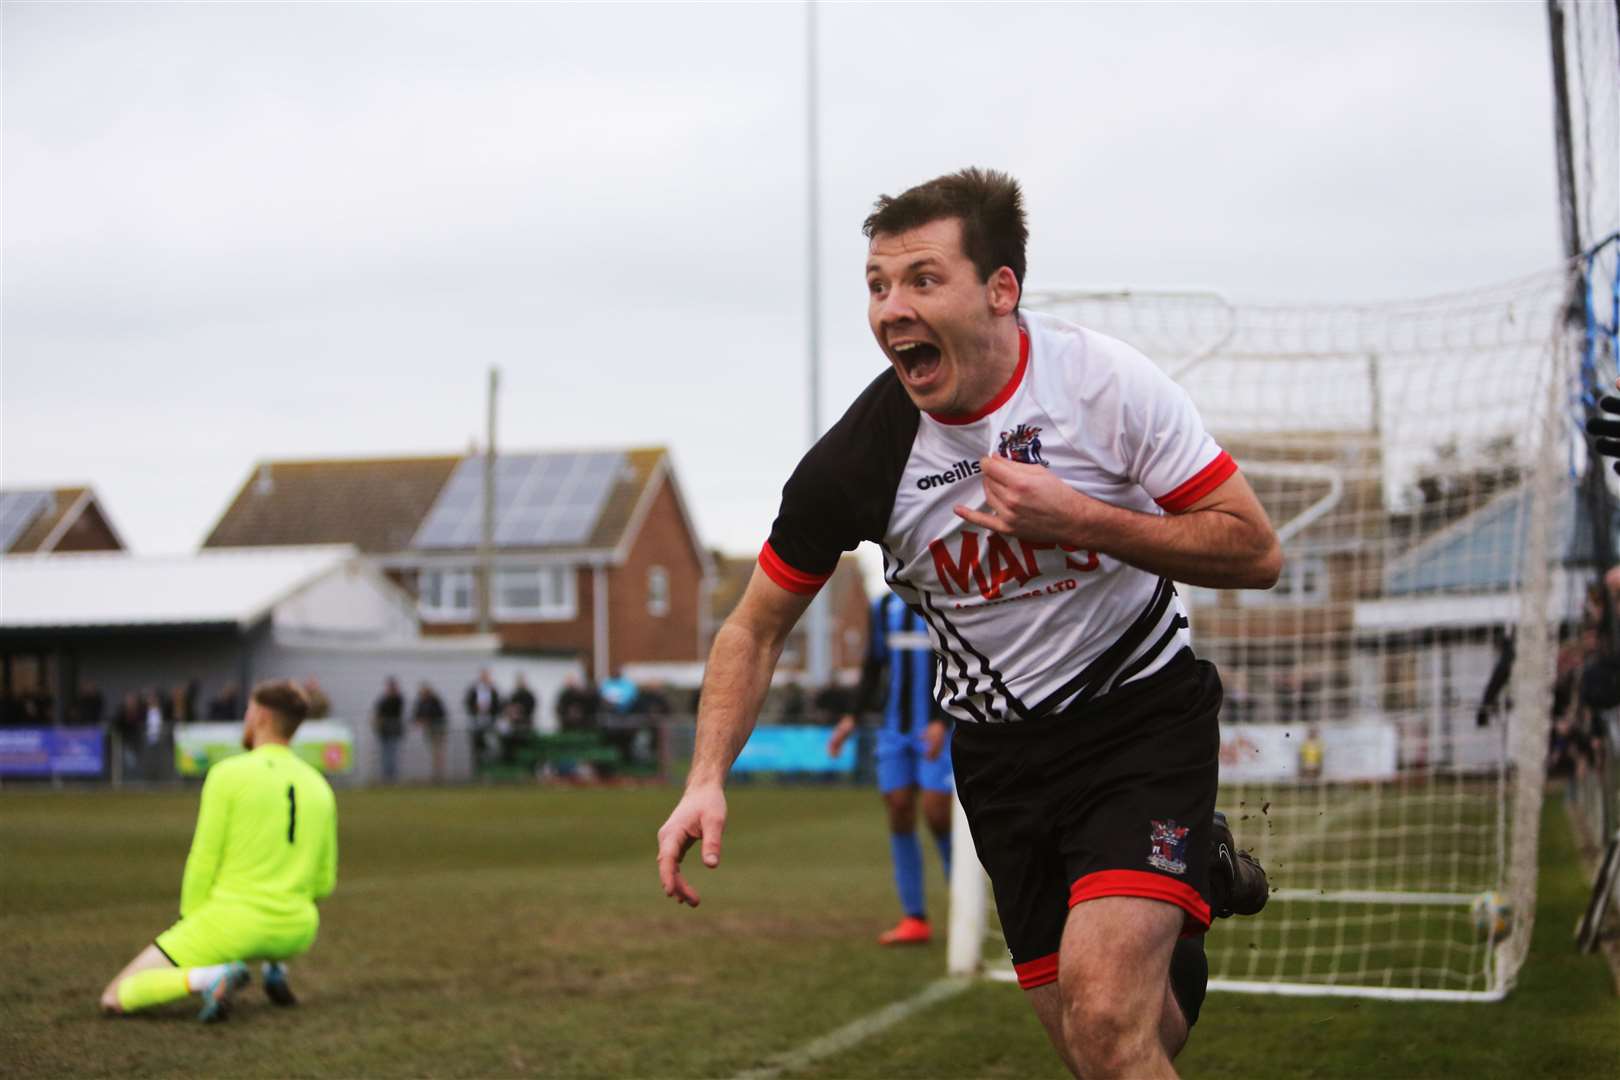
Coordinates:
[1167,846]
[1022,443]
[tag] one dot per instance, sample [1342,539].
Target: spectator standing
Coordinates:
[388,721]
[227,704]
[429,714]
[156,732]
[577,704]
[483,705]
[92,706]
[185,702]
[1310,755]
[653,706]
[523,698]
[130,722]
[619,692]
[320,706]
[516,729]
[652,702]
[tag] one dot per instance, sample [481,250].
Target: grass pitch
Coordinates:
[520,931]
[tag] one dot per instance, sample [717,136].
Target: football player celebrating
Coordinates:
[1035,489]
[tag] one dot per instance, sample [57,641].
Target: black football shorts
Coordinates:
[1114,799]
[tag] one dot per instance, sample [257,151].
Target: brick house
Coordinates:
[846,591]
[44,521]
[594,553]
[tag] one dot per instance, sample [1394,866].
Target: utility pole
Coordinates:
[1568,217]
[486,538]
[1594,485]
[818,658]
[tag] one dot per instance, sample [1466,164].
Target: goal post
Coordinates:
[1386,715]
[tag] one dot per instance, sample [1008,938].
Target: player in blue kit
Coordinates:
[912,752]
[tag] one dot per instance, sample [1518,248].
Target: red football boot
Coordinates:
[908,931]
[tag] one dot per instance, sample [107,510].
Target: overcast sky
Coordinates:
[234,233]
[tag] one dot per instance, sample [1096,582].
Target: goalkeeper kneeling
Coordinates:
[265,850]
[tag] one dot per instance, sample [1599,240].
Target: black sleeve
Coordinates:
[843,490]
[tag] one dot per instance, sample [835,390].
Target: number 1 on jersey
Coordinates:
[292,812]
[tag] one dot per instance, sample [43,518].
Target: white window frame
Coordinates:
[559,599]
[450,579]
[657,591]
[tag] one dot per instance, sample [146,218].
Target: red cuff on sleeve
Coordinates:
[1209,478]
[1147,885]
[790,578]
[1037,972]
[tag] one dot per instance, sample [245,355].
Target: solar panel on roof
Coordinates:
[18,510]
[541,500]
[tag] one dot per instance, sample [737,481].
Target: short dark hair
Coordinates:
[989,204]
[286,702]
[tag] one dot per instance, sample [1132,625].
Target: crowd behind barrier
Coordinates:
[614,731]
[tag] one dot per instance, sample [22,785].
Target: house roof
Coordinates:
[619,510]
[1483,552]
[375,504]
[87,590]
[35,521]
[381,505]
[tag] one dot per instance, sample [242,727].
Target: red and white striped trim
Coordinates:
[1208,478]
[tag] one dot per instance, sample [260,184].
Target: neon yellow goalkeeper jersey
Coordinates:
[266,835]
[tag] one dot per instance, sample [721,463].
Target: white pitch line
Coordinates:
[835,1042]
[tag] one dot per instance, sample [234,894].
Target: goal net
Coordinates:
[1385,723]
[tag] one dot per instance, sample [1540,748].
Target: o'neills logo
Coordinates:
[960,471]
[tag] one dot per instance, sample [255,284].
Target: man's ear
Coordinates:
[1004,291]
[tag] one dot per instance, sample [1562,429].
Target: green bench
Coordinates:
[562,751]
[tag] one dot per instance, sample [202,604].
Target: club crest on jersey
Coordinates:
[1167,846]
[1022,443]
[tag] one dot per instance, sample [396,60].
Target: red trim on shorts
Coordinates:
[1006,391]
[789,577]
[1037,972]
[1146,885]
[1209,478]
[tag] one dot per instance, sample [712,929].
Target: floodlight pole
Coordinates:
[486,538]
[817,661]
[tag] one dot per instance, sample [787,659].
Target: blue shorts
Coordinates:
[900,763]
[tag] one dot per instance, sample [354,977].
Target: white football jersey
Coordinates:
[1019,630]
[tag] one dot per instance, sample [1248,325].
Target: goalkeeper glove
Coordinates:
[1606,429]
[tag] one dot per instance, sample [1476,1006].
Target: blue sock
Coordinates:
[944,845]
[908,872]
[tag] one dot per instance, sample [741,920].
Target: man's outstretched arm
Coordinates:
[734,684]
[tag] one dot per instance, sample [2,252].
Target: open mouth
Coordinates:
[919,359]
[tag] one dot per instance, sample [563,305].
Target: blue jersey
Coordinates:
[899,666]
